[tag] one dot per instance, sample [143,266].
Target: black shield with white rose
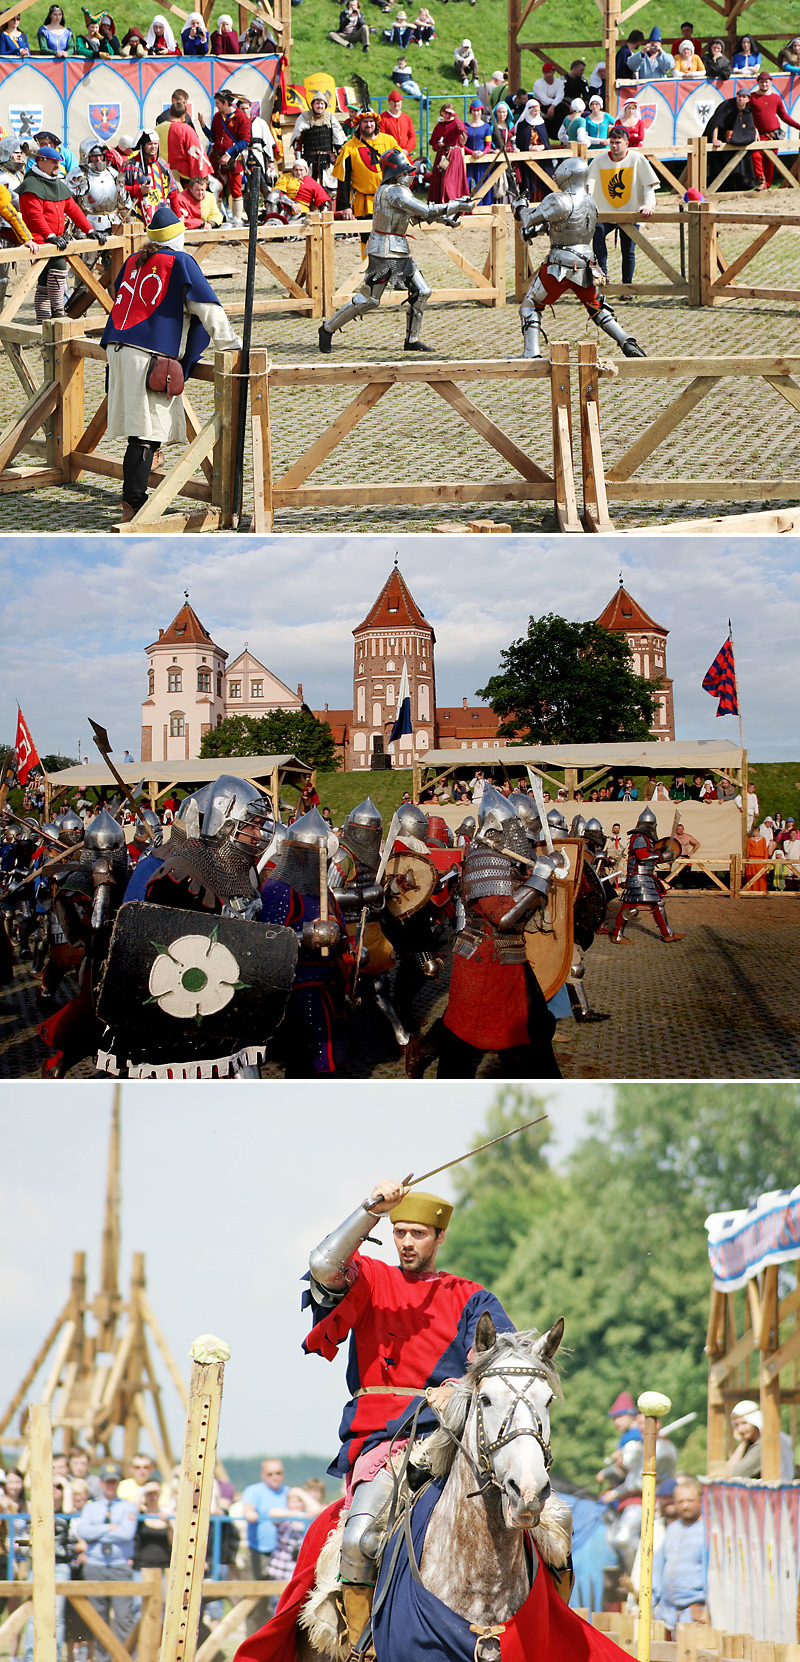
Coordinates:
[191,995]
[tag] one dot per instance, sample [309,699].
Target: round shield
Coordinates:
[381,955]
[550,936]
[410,882]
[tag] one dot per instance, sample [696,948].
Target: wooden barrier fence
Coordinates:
[616,483]
[692,1642]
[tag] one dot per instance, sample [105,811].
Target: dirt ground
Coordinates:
[742,429]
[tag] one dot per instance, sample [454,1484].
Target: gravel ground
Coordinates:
[742,429]
[721,1003]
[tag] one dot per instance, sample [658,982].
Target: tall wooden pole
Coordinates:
[190,1538]
[43,1534]
[770,1396]
[653,1404]
[106,1304]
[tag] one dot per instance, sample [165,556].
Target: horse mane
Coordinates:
[439,1450]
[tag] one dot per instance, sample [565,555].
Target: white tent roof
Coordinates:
[684,756]
[188,772]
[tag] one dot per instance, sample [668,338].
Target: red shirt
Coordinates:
[769,111]
[312,195]
[46,219]
[401,128]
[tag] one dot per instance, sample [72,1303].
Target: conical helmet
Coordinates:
[412,821]
[494,810]
[647,821]
[71,828]
[557,823]
[104,834]
[365,814]
[595,834]
[309,830]
[578,826]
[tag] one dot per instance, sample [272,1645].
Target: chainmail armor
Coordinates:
[223,868]
[299,866]
[485,872]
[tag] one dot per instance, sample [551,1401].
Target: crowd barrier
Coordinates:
[753,1538]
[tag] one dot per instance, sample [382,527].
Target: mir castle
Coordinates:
[191,687]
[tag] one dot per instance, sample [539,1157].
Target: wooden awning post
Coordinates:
[190,1539]
[43,1534]
[654,1405]
[768,1341]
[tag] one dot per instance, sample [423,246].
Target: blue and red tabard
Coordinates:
[148,310]
[408,1331]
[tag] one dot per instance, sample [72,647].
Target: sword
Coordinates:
[411,1181]
[103,743]
[538,796]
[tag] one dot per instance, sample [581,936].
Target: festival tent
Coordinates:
[268,773]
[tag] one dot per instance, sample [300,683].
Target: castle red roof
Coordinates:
[395,607]
[458,721]
[625,613]
[185,630]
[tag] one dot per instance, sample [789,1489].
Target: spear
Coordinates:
[103,743]
[411,1181]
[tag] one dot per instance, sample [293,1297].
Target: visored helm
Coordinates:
[525,809]
[394,165]
[578,826]
[90,147]
[494,810]
[411,821]
[228,802]
[8,148]
[146,821]
[571,175]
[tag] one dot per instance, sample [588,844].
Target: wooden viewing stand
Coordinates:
[753,1348]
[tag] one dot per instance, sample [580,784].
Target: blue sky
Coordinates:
[79,612]
[225,1188]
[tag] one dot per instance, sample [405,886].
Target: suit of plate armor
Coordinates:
[569,215]
[642,886]
[389,260]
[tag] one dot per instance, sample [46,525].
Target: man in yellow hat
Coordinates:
[412,1330]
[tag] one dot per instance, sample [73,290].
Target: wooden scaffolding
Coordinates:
[753,1348]
[98,1353]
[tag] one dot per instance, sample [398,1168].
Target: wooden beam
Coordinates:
[43,1544]
[229,1623]
[95,1623]
[744,258]
[660,429]
[169,1361]
[149,1425]
[38,407]
[770,1386]
[179,475]
[494,435]
[38,1360]
[315,455]
[190,1536]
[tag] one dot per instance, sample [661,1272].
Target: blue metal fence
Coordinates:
[13,1520]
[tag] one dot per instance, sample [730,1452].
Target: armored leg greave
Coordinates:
[418,296]
[367,299]
[605,320]
[531,319]
[384,1003]
[361,1537]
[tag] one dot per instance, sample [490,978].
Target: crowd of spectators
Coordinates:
[110,1527]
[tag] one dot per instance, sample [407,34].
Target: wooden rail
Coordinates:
[616,483]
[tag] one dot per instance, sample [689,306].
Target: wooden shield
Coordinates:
[549,937]
[410,882]
[380,952]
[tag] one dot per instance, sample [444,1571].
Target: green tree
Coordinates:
[616,1243]
[282,732]
[53,763]
[570,683]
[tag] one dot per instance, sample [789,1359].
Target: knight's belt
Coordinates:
[389,1391]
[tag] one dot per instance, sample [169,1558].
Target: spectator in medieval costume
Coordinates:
[147,181]
[13,42]
[479,139]
[398,125]
[194,37]
[54,37]
[612,170]
[631,120]
[230,134]
[717,66]
[747,58]
[224,39]
[449,173]
[769,111]
[687,61]
[358,165]
[531,133]
[45,203]
[134,44]
[160,41]
[318,137]
[302,188]
[549,91]
[177,318]
[197,206]
[733,123]
[788,57]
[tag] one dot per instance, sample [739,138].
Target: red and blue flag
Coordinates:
[720,681]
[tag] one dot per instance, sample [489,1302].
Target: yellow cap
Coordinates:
[418,1207]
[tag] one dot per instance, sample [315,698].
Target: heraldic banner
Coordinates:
[753,1553]
[741,1244]
[101,99]
[675,111]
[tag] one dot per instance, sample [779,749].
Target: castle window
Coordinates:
[389,695]
[234,689]
[394,606]
[181,629]
[377,715]
[204,680]
[151,682]
[219,684]
[390,666]
[177,724]
[256,689]
[174,680]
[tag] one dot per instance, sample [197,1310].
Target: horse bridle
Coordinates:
[507,1433]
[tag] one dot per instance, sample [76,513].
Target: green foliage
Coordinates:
[616,1242]
[569,683]
[55,762]
[282,732]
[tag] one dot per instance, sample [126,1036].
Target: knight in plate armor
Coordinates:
[569,215]
[589,913]
[314,1037]
[642,885]
[96,186]
[412,1329]
[495,1002]
[389,260]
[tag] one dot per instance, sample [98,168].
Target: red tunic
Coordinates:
[488,1005]
[406,1330]
[401,128]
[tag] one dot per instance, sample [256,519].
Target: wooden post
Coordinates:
[595,503]
[694,254]
[328,254]
[263,513]
[497,253]
[190,1539]
[133,1371]
[313,263]
[611,12]
[43,1534]
[566,505]
[707,242]
[717,1414]
[521,271]
[653,1405]
[513,55]
[150,1622]
[770,1382]
[68,372]
[226,408]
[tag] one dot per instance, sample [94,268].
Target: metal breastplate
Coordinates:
[393,210]
[576,231]
[640,880]
[485,873]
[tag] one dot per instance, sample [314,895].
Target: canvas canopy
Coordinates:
[742,1244]
[717,826]
[669,756]
[268,772]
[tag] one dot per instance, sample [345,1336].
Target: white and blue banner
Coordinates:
[741,1244]
[402,721]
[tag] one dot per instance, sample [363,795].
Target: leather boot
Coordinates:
[357,1600]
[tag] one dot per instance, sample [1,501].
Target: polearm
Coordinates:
[379,876]
[654,1405]
[247,327]
[411,1181]
[103,743]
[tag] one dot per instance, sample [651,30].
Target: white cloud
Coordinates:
[80,612]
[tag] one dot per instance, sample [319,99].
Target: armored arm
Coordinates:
[540,216]
[330,1262]
[525,899]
